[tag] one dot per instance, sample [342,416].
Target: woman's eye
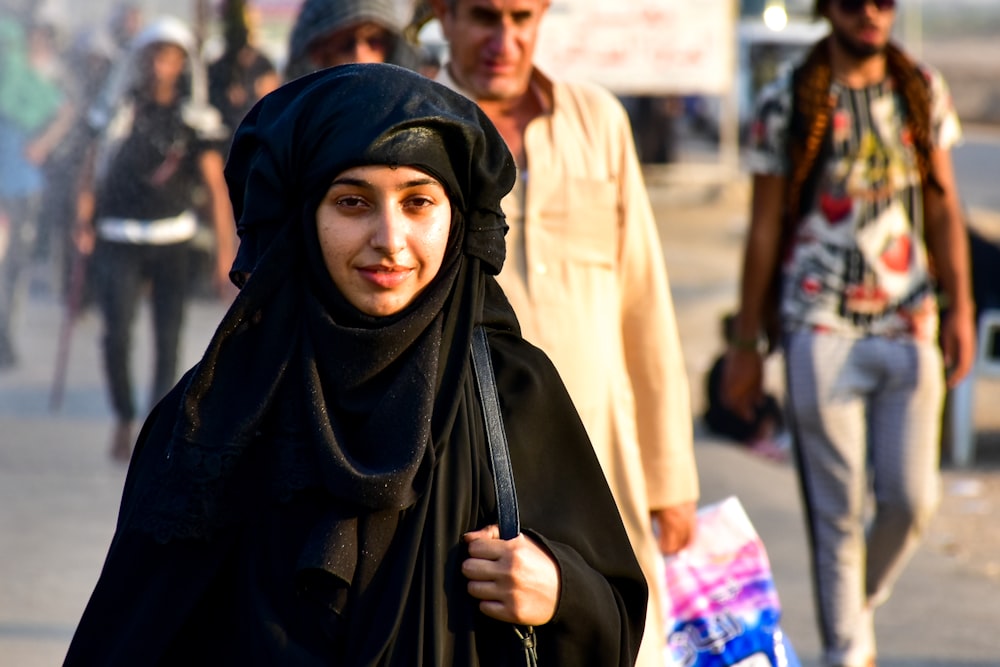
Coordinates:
[350,201]
[420,202]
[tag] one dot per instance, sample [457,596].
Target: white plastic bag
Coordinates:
[723,608]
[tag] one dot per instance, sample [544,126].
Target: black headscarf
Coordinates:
[357,401]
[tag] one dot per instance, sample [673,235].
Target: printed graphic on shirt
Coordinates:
[858,263]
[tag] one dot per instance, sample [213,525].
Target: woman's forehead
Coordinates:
[386,176]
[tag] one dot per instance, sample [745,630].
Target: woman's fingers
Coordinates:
[515,580]
[486,554]
[490,532]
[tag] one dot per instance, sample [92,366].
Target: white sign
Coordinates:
[642,46]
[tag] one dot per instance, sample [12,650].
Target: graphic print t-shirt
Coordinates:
[858,261]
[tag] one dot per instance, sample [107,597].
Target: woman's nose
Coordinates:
[390,230]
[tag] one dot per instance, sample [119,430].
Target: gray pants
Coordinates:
[866,415]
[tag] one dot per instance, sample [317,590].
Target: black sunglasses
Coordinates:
[857,6]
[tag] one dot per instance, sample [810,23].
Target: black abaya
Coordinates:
[234,600]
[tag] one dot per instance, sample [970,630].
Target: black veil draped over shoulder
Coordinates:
[300,497]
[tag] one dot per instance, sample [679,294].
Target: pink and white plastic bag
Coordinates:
[723,608]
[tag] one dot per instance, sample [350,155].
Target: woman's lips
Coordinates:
[385,276]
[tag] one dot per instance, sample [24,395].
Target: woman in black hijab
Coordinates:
[318,489]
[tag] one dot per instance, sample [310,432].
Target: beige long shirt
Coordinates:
[586,277]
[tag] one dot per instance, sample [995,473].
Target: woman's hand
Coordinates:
[516,580]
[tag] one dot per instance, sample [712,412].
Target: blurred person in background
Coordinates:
[337,32]
[430,56]
[34,117]
[88,62]
[585,273]
[855,227]
[86,65]
[654,123]
[243,73]
[159,148]
[47,37]
[125,22]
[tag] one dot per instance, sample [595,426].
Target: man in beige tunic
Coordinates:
[585,272]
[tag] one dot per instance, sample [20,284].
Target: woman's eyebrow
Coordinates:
[356,182]
[362,183]
[427,180]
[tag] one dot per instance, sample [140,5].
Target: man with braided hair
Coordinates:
[855,227]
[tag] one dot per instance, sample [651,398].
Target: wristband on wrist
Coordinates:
[746,344]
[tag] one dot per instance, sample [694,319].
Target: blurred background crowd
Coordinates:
[58,58]
[63,70]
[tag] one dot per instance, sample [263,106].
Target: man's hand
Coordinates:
[958,344]
[743,382]
[677,525]
[516,580]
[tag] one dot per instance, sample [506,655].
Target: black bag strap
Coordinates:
[496,437]
[503,474]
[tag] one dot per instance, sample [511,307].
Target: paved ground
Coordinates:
[59,491]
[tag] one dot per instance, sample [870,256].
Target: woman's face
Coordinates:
[383,232]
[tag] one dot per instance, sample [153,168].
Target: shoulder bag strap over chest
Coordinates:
[503,475]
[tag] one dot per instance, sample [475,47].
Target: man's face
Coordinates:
[492,43]
[861,28]
[362,43]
